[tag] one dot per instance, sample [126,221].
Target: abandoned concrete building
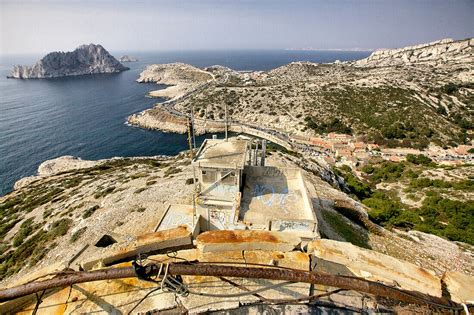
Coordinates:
[234,190]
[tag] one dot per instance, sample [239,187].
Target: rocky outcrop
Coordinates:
[438,52]
[174,74]
[63,164]
[86,59]
[51,167]
[127,58]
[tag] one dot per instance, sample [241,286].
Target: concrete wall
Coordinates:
[222,190]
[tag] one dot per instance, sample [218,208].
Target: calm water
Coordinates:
[85,116]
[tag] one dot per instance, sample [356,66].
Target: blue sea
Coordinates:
[85,116]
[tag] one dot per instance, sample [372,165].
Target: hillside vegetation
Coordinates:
[417,194]
[394,102]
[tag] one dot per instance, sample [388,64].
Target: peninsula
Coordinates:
[86,59]
[408,97]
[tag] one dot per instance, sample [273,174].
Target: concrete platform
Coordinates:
[276,199]
[180,236]
[216,153]
[177,215]
[219,241]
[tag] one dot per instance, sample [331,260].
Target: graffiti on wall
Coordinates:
[176,219]
[271,197]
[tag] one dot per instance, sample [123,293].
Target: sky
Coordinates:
[139,25]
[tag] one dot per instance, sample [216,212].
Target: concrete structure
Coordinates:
[234,190]
[276,199]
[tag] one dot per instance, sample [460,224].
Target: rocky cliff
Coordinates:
[86,59]
[173,74]
[438,52]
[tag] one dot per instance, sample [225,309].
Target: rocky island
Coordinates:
[86,59]
[127,58]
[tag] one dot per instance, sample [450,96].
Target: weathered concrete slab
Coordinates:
[225,240]
[297,260]
[460,286]
[179,215]
[218,153]
[277,199]
[179,236]
[375,266]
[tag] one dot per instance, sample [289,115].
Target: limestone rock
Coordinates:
[375,266]
[86,59]
[442,51]
[127,58]
[173,74]
[460,286]
[63,164]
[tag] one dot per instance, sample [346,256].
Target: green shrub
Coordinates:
[383,210]
[104,192]
[59,228]
[457,214]
[78,234]
[387,171]
[344,229]
[333,125]
[357,187]
[25,231]
[139,190]
[368,169]
[419,159]
[90,211]
[450,88]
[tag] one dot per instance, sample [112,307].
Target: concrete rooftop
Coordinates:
[278,196]
[218,153]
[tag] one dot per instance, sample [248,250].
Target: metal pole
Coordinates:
[189,140]
[314,277]
[192,123]
[191,134]
[250,151]
[264,151]
[225,108]
[255,157]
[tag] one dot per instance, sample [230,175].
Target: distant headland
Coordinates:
[86,59]
[127,58]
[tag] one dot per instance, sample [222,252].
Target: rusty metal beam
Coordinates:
[343,282]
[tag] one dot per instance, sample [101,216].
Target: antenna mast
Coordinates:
[190,138]
[225,108]
[192,124]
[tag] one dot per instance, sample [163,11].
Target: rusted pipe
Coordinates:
[343,282]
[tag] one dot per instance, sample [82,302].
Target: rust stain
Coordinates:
[278,256]
[247,236]
[180,231]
